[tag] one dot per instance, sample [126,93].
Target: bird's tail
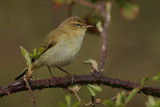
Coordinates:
[21,74]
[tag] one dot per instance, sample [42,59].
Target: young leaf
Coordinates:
[157,77]
[76,88]
[151,102]
[68,100]
[92,92]
[144,80]
[95,88]
[28,59]
[35,51]
[62,105]
[108,103]
[77,104]
[93,64]
[158,103]
[128,9]
[40,51]
[31,55]
[120,101]
[99,26]
[25,55]
[131,94]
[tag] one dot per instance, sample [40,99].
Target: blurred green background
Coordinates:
[133,48]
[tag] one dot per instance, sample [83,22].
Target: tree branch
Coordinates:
[106,13]
[77,79]
[105,10]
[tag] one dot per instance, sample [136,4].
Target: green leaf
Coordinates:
[62,105]
[128,9]
[95,88]
[131,95]
[68,100]
[144,80]
[25,55]
[158,103]
[121,97]
[99,26]
[77,104]
[31,55]
[40,51]
[108,103]
[92,92]
[35,51]
[151,102]
[157,77]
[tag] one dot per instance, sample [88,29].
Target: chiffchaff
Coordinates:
[62,45]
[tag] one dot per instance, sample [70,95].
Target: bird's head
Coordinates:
[75,23]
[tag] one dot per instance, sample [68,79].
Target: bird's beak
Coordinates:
[89,26]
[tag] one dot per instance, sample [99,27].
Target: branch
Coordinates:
[105,10]
[77,79]
[30,91]
[106,13]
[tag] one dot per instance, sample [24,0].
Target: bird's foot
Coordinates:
[28,79]
[68,74]
[57,79]
[71,78]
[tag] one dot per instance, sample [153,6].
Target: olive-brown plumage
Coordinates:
[62,45]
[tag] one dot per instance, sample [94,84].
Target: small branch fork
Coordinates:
[105,10]
[77,79]
[92,103]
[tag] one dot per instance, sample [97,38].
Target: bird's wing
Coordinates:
[47,44]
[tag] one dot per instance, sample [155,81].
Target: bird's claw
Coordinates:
[71,78]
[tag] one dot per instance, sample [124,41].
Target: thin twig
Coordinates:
[91,103]
[92,97]
[107,18]
[30,91]
[105,11]
[114,98]
[78,98]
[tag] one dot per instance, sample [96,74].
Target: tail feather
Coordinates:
[21,74]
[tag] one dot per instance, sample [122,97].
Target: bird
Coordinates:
[61,46]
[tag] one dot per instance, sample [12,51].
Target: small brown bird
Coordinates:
[62,45]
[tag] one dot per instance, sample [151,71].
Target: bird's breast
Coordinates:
[63,53]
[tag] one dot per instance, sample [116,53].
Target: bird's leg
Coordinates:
[52,74]
[71,78]
[50,71]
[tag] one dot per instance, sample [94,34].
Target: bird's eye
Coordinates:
[78,24]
